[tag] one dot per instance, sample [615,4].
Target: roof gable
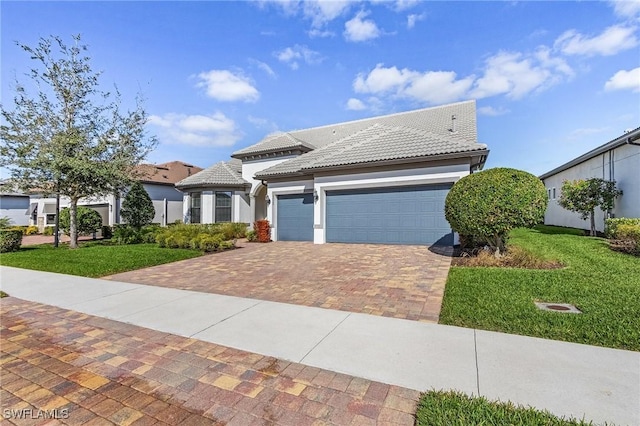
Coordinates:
[220,174]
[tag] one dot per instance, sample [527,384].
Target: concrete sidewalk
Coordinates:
[567,379]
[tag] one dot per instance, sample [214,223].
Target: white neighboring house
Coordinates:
[617,160]
[14,205]
[159,181]
[377,180]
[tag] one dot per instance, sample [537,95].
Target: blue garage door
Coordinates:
[398,215]
[295,217]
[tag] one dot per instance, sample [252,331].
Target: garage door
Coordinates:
[295,217]
[398,215]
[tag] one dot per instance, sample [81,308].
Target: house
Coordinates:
[157,179]
[377,180]
[617,160]
[14,205]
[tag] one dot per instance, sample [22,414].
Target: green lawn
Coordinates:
[94,259]
[603,284]
[456,409]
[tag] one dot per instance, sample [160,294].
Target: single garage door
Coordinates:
[295,217]
[398,215]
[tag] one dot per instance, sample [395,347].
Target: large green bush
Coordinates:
[485,206]
[127,234]
[611,225]
[10,240]
[205,237]
[137,208]
[89,220]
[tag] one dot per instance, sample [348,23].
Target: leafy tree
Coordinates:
[70,138]
[137,208]
[584,195]
[487,205]
[89,220]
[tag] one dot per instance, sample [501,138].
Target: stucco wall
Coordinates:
[621,164]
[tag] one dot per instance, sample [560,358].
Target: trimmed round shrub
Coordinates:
[89,220]
[486,206]
[10,240]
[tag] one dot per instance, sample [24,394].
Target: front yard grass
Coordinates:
[437,408]
[94,259]
[603,284]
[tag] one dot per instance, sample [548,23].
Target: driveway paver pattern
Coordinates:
[93,371]
[393,281]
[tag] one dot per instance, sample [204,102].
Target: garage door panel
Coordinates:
[400,215]
[295,217]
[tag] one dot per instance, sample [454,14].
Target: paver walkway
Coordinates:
[393,281]
[93,371]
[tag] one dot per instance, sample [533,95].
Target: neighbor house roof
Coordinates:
[385,140]
[220,174]
[7,189]
[166,173]
[435,120]
[628,137]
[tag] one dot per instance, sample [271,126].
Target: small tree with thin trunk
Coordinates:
[584,195]
[137,208]
[69,137]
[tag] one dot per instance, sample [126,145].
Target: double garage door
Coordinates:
[397,215]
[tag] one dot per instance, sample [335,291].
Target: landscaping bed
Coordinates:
[604,285]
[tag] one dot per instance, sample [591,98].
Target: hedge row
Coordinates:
[205,237]
[624,234]
[10,240]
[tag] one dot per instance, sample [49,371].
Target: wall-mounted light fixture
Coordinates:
[267,199]
[315,195]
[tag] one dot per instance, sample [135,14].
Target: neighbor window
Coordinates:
[194,208]
[223,206]
[51,219]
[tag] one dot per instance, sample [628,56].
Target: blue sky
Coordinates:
[552,80]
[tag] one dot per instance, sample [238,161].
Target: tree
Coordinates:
[70,138]
[89,220]
[584,195]
[489,204]
[137,208]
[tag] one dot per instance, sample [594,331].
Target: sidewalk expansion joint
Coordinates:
[475,352]
[229,317]
[322,340]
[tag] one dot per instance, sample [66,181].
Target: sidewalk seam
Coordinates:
[230,316]
[322,340]
[475,352]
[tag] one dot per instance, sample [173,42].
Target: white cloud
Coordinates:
[264,67]
[355,104]
[492,112]
[196,130]
[361,29]
[320,12]
[400,5]
[626,8]
[223,85]
[624,80]
[430,86]
[317,33]
[611,41]
[293,55]
[413,18]
[516,75]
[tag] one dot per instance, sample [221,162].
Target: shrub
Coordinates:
[626,238]
[125,234]
[22,229]
[583,196]
[31,230]
[489,204]
[233,230]
[48,230]
[263,230]
[107,232]
[251,235]
[137,208]
[206,237]
[10,240]
[611,225]
[211,243]
[88,221]
[5,222]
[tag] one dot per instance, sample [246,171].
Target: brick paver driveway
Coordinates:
[395,281]
[64,367]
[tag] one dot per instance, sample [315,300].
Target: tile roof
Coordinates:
[166,173]
[220,174]
[275,142]
[422,133]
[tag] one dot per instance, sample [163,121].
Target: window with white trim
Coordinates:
[223,206]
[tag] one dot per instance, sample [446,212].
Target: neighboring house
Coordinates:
[617,160]
[158,180]
[14,205]
[377,180]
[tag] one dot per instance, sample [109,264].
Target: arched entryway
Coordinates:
[260,202]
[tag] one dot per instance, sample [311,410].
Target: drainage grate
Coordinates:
[558,307]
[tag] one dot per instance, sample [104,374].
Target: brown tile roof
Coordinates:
[166,173]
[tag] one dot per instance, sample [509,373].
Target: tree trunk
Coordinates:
[73,223]
[593,224]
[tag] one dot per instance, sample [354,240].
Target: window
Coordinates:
[553,191]
[51,219]
[223,207]
[194,208]
[549,193]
